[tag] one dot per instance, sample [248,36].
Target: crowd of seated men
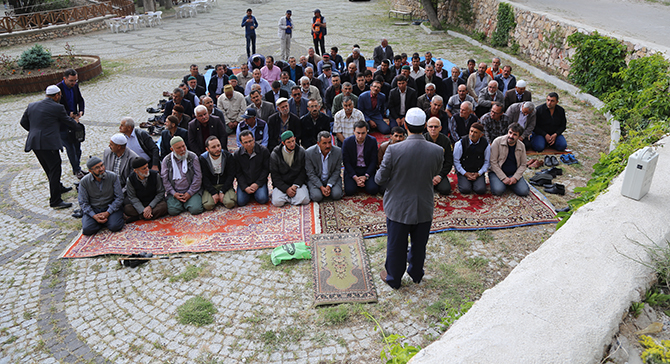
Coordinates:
[300,121]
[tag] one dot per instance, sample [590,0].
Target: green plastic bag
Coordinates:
[290,251]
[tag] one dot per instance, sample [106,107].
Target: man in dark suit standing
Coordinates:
[359,156]
[42,120]
[382,52]
[74,105]
[407,172]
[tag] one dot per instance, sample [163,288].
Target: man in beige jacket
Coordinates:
[508,162]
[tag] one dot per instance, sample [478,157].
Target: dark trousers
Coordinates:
[50,162]
[114,222]
[133,215]
[251,41]
[317,43]
[350,186]
[73,150]
[397,254]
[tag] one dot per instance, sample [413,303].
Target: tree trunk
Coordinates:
[432,13]
[149,5]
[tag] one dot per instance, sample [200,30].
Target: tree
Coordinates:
[430,8]
[149,5]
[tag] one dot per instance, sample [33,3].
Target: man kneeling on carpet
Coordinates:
[145,192]
[253,167]
[100,199]
[182,178]
[472,155]
[289,177]
[508,162]
[218,172]
[324,168]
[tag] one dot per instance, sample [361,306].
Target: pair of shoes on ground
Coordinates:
[534,163]
[569,159]
[555,188]
[551,161]
[554,171]
[77,214]
[383,274]
[64,189]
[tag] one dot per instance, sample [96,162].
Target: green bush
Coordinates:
[505,25]
[595,62]
[35,58]
[465,13]
[196,311]
[642,94]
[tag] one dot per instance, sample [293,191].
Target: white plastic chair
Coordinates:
[133,21]
[113,25]
[157,18]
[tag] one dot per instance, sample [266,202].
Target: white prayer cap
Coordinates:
[415,117]
[119,139]
[521,84]
[52,90]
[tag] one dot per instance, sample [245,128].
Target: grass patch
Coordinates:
[456,239]
[485,236]
[335,315]
[476,263]
[192,272]
[286,266]
[196,311]
[375,246]
[458,280]
[274,340]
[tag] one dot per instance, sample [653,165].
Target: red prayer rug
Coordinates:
[453,212]
[250,227]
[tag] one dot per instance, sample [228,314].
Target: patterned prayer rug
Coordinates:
[453,212]
[250,227]
[341,269]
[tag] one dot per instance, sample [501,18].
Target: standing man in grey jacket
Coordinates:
[407,171]
[285,35]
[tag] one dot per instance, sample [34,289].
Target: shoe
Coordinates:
[554,161]
[573,160]
[556,189]
[565,209]
[81,174]
[153,110]
[548,162]
[64,189]
[383,276]
[78,214]
[554,171]
[565,158]
[62,205]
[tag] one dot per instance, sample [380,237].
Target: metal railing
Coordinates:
[42,19]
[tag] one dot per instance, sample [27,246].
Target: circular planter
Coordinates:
[39,83]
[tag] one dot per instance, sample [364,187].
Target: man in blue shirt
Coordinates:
[250,24]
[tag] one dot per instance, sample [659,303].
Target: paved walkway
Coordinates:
[89,310]
[636,19]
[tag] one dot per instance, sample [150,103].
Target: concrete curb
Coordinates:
[564,302]
[615,126]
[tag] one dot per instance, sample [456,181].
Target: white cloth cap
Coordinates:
[415,117]
[52,90]
[119,139]
[521,83]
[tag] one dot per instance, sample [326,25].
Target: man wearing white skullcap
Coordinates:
[518,94]
[118,159]
[407,171]
[42,120]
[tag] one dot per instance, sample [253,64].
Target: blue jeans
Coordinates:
[498,187]
[397,254]
[384,128]
[539,143]
[114,222]
[251,40]
[261,196]
[73,152]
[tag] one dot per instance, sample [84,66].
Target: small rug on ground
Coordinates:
[454,212]
[243,228]
[547,151]
[341,269]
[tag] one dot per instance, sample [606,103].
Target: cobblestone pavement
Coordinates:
[90,310]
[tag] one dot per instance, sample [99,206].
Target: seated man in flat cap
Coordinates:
[119,159]
[100,199]
[145,193]
[289,177]
[182,178]
[218,172]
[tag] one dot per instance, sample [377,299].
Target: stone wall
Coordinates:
[540,38]
[52,32]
